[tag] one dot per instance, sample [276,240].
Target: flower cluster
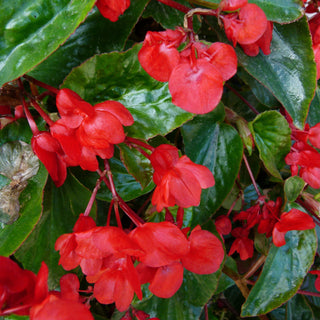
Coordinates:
[195,75]
[304,158]
[271,221]
[106,256]
[24,293]
[83,132]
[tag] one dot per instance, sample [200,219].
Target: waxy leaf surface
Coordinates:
[218,147]
[289,72]
[95,35]
[271,134]
[119,76]
[30,30]
[282,274]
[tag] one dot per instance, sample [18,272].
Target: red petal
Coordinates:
[278,237]
[231,5]
[69,287]
[206,253]
[167,280]
[118,110]
[295,220]
[197,89]
[314,135]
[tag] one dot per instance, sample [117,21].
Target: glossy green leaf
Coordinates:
[187,303]
[282,11]
[119,76]
[314,110]
[137,164]
[14,317]
[30,30]
[261,92]
[293,186]
[126,185]
[282,274]
[61,208]
[298,308]
[289,71]
[218,147]
[95,35]
[271,134]
[168,17]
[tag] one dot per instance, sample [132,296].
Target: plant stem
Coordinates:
[175,5]
[41,84]
[140,143]
[46,118]
[251,175]
[255,267]
[242,98]
[308,293]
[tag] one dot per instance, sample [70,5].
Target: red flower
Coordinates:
[262,43]
[50,153]
[232,5]
[292,220]
[247,26]
[242,244]
[85,131]
[179,180]
[112,9]
[16,287]
[223,225]
[159,54]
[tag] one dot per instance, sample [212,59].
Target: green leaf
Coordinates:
[271,133]
[119,76]
[282,274]
[61,209]
[314,111]
[168,17]
[289,72]
[298,308]
[187,303]
[137,165]
[126,185]
[30,30]
[95,35]
[281,11]
[14,317]
[293,186]
[218,147]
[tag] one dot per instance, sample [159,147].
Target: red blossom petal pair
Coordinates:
[168,251]
[248,27]
[195,75]
[179,181]
[112,9]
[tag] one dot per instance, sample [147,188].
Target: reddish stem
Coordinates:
[242,98]
[175,5]
[109,212]
[139,143]
[41,84]
[308,293]
[46,118]
[251,175]
[32,123]
[14,310]
[94,194]
[180,216]
[168,216]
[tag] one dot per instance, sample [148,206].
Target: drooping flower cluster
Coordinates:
[269,219]
[112,9]
[195,75]
[24,293]
[304,158]
[248,26]
[83,132]
[106,256]
[179,180]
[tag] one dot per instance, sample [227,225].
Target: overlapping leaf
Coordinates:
[282,274]
[95,35]
[30,30]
